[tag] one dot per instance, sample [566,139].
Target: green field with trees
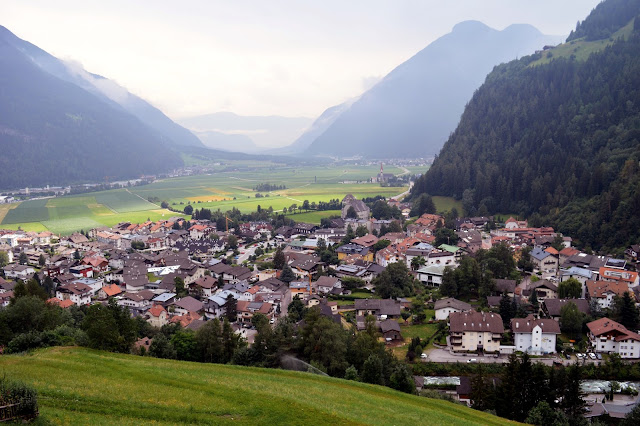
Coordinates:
[93,387]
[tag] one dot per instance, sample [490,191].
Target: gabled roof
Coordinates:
[526,325]
[112,290]
[599,289]
[606,326]
[554,306]
[475,321]
[189,303]
[450,302]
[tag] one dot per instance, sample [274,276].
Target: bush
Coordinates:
[15,392]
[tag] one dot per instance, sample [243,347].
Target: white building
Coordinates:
[431,275]
[535,336]
[608,336]
[444,307]
[78,293]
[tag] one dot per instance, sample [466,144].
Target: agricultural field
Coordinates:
[314,217]
[234,187]
[82,386]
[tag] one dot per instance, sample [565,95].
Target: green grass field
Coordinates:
[582,49]
[221,190]
[444,204]
[81,386]
[313,217]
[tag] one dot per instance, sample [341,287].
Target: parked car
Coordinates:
[424,356]
[567,356]
[472,360]
[599,356]
[580,356]
[592,355]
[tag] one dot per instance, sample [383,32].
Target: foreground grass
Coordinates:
[82,386]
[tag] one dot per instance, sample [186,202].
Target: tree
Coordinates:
[188,209]
[351,213]
[446,236]
[231,309]
[186,345]
[417,262]
[296,309]
[351,373]
[449,286]
[41,260]
[571,319]
[570,289]
[161,347]
[543,415]
[181,291]
[626,312]
[232,242]
[372,370]
[381,244]
[533,299]
[423,204]
[279,259]
[164,205]
[287,274]
[23,259]
[350,235]
[361,231]
[394,281]
[4,259]
[401,379]
[209,340]
[506,309]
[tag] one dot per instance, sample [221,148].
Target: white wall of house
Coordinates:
[536,342]
[443,313]
[628,348]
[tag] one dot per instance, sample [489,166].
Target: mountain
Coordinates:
[227,142]
[319,126]
[55,132]
[265,131]
[556,137]
[105,89]
[416,106]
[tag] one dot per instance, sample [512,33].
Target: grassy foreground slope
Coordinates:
[78,385]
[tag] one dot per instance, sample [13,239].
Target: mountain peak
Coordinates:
[470,27]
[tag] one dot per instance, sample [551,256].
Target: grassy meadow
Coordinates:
[233,187]
[82,386]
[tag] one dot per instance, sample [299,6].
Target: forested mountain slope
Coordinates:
[558,142]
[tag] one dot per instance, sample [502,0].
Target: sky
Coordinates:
[259,57]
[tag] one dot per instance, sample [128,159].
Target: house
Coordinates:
[632,252]
[388,255]
[305,228]
[21,272]
[164,299]
[204,286]
[157,316]
[604,292]
[619,275]
[431,275]
[608,336]
[552,307]
[566,253]
[390,330]
[64,304]
[108,291]
[544,290]
[326,284]
[350,250]
[361,210]
[215,306]
[186,305]
[505,286]
[475,331]
[543,261]
[444,307]
[247,309]
[302,289]
[511,223]
[82,271]
[380,308]
[535,336]
[368,240]
[78,293]
[441,258]
[5,298]
[139,301]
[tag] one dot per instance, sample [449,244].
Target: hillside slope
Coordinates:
[81,386]
[558,142]
[412,111]
[106,90]
[54,132]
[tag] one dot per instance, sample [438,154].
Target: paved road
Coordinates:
[444,356]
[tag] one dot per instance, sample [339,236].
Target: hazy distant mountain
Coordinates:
[105,89]
[227,142]
[412,111]
[52,131]
[318,127]
[265,131]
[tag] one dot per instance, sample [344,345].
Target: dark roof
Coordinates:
[553,306]
[450,302]
[526,325]
[389,325]
[508,286]
[464,388]
[383,306]
[475,321]
[189,303]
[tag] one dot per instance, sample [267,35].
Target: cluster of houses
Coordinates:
[101,264]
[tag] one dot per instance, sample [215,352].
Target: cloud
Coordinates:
[370,81]
[105,86]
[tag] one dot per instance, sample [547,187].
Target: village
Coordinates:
[555,302]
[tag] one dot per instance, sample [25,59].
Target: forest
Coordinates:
[557,143]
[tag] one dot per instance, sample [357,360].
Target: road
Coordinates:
[444,356]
